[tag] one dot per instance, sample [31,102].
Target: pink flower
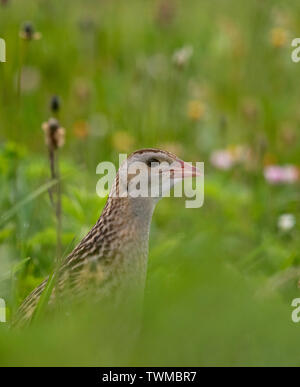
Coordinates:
[227,158]
[222,159]
[275,174]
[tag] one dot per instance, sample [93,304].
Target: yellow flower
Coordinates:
[250,108]
[122,141]
[81,129]
[288,134]
[173,147]
[269,159]
[278,36]
[82,89]
[195,110]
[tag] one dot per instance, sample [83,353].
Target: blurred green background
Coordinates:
[192,77]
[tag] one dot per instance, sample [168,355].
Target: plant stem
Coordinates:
[58,211]
[21,62]
[56,204]
[52,173]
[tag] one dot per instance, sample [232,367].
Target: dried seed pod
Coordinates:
[55,104]
[28,33]
[54,133]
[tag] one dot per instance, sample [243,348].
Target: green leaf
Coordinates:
[12,211]
[44,298]
[15,268]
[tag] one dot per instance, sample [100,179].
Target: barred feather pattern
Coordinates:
[113,253]
[110,257]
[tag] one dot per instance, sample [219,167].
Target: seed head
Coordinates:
[28,32]
[54,134]
[55,104]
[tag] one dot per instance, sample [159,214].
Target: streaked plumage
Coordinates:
[112,257]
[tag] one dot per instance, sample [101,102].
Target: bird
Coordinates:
[111,260]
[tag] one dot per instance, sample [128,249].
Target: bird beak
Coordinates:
[182,170]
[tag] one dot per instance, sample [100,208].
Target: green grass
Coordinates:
[222,277]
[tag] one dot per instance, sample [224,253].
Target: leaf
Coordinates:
[44,298]
[5,233]
[18,266]
[12,211]
[14,269]
[46,293]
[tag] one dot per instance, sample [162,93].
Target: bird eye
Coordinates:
[152,161]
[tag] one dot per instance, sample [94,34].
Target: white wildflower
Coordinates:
[286,222]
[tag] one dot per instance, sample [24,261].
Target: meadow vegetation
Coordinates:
[211,81]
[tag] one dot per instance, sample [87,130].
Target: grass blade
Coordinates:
[12,211]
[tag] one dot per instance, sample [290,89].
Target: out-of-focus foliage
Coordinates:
[212,81]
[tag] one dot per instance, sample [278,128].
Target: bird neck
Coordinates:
[141,210]
[130,220]
[130,215]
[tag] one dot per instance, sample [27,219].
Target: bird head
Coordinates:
[151,173]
